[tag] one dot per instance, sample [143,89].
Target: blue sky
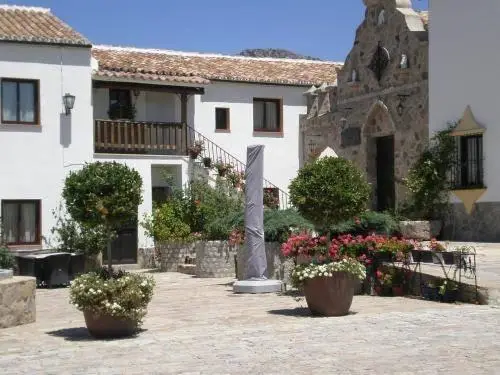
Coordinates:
[321,28]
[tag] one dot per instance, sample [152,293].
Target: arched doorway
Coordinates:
[378,133]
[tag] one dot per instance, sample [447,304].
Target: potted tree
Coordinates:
[104,195]
[330,277]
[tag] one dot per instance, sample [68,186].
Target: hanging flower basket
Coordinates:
[196,149]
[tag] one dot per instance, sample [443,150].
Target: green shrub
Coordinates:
[165,225]
[7,260]
[103,194]
[428,180]
[278,225]
[73,237]
[368,222]
[329,191]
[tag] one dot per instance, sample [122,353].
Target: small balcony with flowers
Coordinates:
[138,107]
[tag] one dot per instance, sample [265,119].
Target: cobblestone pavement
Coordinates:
[197,326]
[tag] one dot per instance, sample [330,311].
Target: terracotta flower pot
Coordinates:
[382,291]
[330,296]
[105,326]
[398,291]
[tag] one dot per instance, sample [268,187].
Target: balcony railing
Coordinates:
[138,137]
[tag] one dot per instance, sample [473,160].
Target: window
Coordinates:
[120,104]
[468,173]
[21,222]
[19,101]
[221,118]
[267,115]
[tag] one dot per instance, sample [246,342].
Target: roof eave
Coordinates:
[46,43]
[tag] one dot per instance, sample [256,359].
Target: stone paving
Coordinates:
[197,326]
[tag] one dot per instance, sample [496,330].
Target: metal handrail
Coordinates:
[218,154]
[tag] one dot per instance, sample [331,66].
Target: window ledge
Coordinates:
[20,127]
[222,130]
[265,133]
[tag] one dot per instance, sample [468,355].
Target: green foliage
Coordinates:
[329,191]
[368,222]
[7,260]
[428,181]
[278,225]
[122,295]
[103,194]
[164,225]
[73,237]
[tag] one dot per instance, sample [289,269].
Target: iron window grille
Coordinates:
[468,170]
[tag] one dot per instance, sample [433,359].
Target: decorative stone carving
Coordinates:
[381,17]
[404,61]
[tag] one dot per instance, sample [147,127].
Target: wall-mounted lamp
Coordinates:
[69,102]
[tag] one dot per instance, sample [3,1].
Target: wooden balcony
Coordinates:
[139,137]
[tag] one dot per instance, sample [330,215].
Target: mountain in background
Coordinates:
[275,53]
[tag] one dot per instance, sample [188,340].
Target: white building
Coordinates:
[464,83]
[136,106]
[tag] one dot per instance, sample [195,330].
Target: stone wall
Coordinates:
[215,259]
[480,226]
[17,301]
[146,258]
[171,255]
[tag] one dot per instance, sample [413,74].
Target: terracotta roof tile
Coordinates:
[164,65]
[36,25]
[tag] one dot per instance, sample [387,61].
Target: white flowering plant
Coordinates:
[118,294]
[302,272]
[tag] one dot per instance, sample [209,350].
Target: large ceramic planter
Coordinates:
[430,293]
[449,296]
[330,296]
[398,291]
[106,326]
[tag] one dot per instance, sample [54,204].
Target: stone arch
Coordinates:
[379,121]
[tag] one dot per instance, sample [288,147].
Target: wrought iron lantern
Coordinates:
[69,102]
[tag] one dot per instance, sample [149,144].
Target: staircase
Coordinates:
[218,154]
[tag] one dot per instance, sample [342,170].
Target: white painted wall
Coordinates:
[150,106]
[36,159]
[282,152]
[464,70]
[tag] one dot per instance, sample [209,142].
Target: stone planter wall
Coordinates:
[215,259]
[17,301]
[420,230]
[173,254]
[146,258]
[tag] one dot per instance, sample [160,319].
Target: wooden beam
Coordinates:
[148,87]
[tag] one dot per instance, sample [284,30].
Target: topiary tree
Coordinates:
[103,194]
[329,191]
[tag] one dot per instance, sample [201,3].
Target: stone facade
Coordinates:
[17,301]
[146,258]
[480,224]
[382,90]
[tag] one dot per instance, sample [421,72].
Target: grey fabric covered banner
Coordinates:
[254,214]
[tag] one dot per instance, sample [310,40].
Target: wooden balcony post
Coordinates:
[184,100]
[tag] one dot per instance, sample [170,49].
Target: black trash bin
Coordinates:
[55,268]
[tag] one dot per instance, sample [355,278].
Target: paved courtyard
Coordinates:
[197,326]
